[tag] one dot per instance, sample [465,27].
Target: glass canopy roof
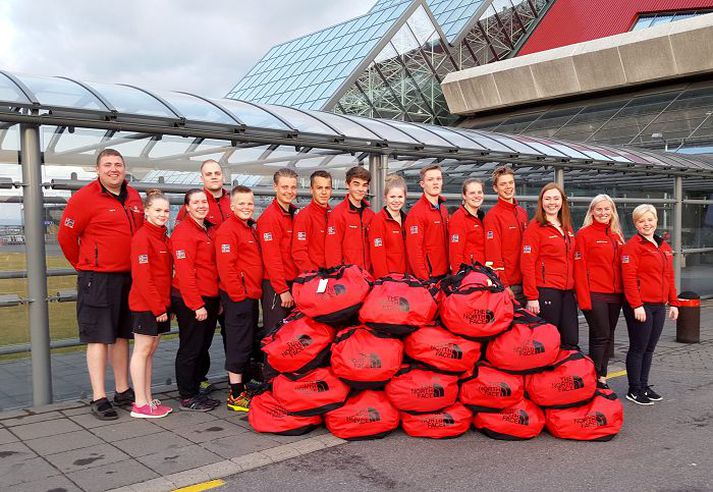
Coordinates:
[65,103]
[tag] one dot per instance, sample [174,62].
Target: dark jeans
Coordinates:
[240,330]
[643,337]
[272,310]
[194,339]
[519,294]
[205,362]
[559,307]
[602,319]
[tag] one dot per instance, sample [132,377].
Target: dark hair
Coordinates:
[358,172]
[432,167]
[563,215]
[152,195]
[284,172]
[501,171]
[190,193]
[107,153]
[239,189]
[320,173]
[210,160]
[470,181]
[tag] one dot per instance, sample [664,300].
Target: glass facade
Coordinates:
[654,19]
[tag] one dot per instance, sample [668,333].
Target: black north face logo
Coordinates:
[305,340]
[479,316]
[374,415]
[296,346]
[448,351]
[520,417]
[505,390]
[538,346]
[321,386]
[438,391]
[524,418]
[365,416]
[592,420]
[339,289]
[569,383]
[395,303]
[367,361]
[313,387]
[448,419]
[533,349]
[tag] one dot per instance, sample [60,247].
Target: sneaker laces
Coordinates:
[155,403]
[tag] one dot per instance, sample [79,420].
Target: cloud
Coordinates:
[203,47]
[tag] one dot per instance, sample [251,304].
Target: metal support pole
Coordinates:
[559,176]
[378,167]
[677,228]
[33,214]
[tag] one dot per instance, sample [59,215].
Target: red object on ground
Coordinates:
[267,415]
[599,420]
[417,389]
[571,381]
[487,389]
[449,422]
[299,344]
[364,358]
[524,420]
[366,415]
[441,349]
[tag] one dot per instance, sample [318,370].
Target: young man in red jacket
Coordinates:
[275,229]
[95,236]
[311,225]
[504,225]
[218,197]
[237,252]
[427,228]
[348,223]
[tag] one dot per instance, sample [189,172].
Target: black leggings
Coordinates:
[602,320]
[643,337]
[240,330]
[560,308]
[194,339]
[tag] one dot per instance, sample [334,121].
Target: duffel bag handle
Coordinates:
[333,272]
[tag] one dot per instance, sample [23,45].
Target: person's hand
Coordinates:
[201,314]
[286,300]
[162,317]
[533,306]
[673,313]
[640,314]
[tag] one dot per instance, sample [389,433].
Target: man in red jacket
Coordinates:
[348,223]
[218,197]
[504,225]
[95,236]
[311,225]
[274,228]
[427,228]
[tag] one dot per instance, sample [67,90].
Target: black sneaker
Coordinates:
[652,395]
[210,401]
[602,385]
[639,398]
[206,388]
[196,404]
[125,398]
[103,410]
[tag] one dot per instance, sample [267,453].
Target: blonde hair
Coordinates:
[394,181]
[643,209]
[614,222]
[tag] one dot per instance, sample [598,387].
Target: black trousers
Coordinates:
[194,338]
[240,330]
[559,307]
[272,310]
[602,320]
[205,362]
[519,294]
[643,337]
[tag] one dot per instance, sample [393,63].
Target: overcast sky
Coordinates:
[199,46]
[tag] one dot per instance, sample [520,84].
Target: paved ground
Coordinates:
[664,447]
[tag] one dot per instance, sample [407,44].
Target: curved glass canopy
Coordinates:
[64,102]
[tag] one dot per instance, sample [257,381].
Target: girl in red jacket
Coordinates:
[597,275]
[149,300]
[466,235]
[647,272]
[547,262]
[387,247]
[194,298]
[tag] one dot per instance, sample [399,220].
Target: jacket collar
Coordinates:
[156,231]
[480,214]
[388,216]
[427,202]
[659,239]
[291,210]
[123,192]
[352,208]
[507,205]
[245,223]
[316,206]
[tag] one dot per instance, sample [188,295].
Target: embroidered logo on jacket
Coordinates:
[69,223]
[143,259]
[180,254]
[225,248]
[455,238]
[267,236]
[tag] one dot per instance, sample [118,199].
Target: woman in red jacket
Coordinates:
[597,275]
[466,234]
[149,300]
[547,262]
[647,272]
[194,298]
[387,246]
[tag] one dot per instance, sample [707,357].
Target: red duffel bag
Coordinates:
[487,389]
[449,422]
[399,304]
[333,295]
[315,393]
[599,420]
[570,381]
[418,389]
[365,358]
[475,304]
[524,420]
[366,415]
[528,346]
[441,349]
[298,344]
[267,415]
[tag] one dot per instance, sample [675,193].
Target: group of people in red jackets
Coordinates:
[220,265]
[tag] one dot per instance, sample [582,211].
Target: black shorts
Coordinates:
[240,329]
[144,323]
[103,306]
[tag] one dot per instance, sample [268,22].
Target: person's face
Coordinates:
[551,202]
[505,187]
[602,212]
[395,199]
[358,188]
[646,224]
[285,190]
[432,182]
[321,190]
[243,205]
[111,171]
[158,212]
[197,206]
[212,176]
[474,195]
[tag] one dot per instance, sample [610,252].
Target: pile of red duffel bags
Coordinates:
[363,356]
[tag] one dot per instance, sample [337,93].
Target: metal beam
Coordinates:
[378,166]
[677,229]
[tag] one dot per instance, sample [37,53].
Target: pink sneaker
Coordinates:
[159,410]
[144,412]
